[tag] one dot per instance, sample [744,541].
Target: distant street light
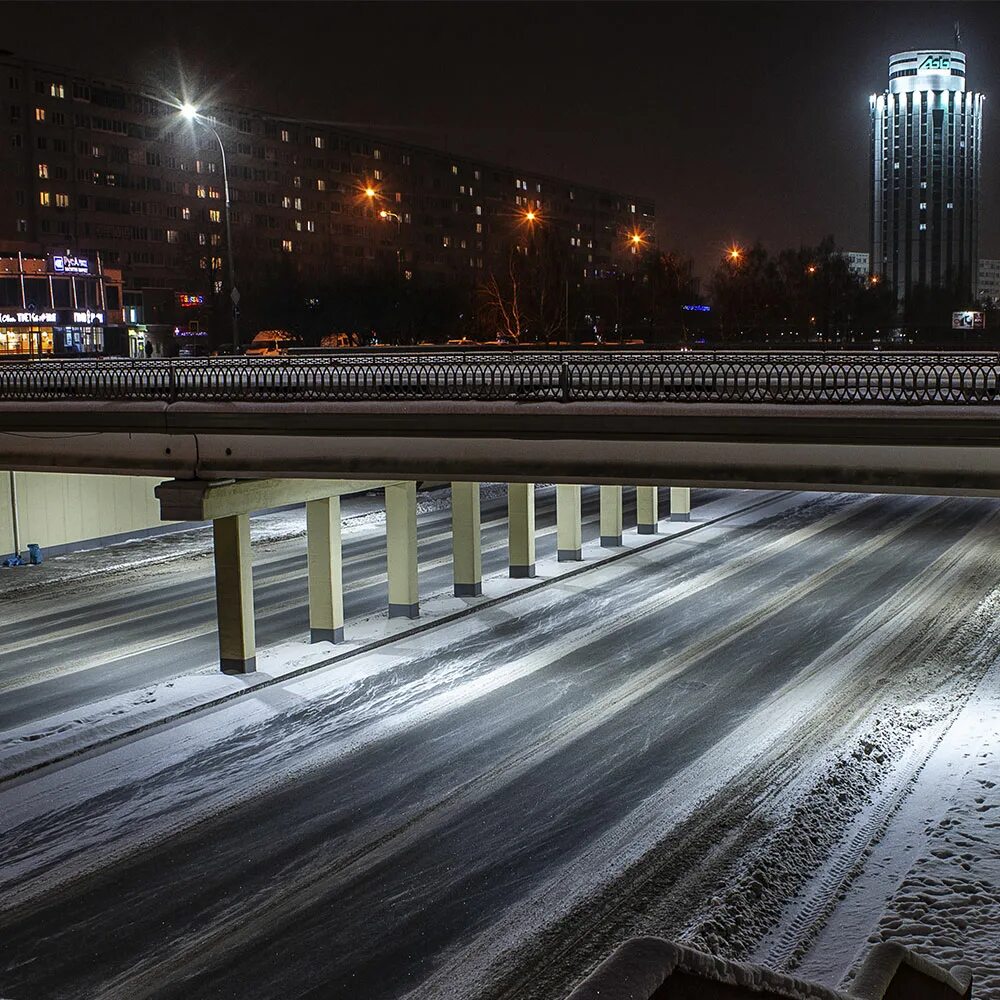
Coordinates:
[189,112]
[734,254]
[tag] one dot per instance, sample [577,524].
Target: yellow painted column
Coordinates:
[521,530]
[401,549]
[647,509]
[234,594]
[569,523]
[680,503]
[611,517]
[326,582]
[466,538]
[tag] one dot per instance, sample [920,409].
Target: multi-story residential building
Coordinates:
[926,146]
[988,282]
[100,169]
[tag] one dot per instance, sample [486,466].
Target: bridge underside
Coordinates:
[889,449]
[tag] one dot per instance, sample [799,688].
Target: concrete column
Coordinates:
[401,549]
[611,517]
[326,584]
[466,538]
[234,594]
[521,529]
[680,503]
[569,523]
[647,509]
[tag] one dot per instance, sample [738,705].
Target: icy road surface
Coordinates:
[698,741]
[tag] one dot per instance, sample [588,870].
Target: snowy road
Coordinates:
[76,648]
[673,743]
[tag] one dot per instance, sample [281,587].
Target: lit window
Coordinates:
[318,142]
[923,206]
[475,173]
[298,204]
[923,226]
[479,227]
[950,205]
[202,239]
[215,239]
[200,192]
[479,209]
[297,181]
[214,193]
[406,159]
[216,263]
[311,226]
[632,209]
[284,135]
[286,245]
[298,226]
[185,213]
[454,168]
[377,153]
[39,114]
[172,236]
[43,170]
[321,185]
[286,202]
[446,241]
[44,198]
[214,215]
[378,175]
[57,90]
[62,201]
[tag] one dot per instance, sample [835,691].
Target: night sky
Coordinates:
[743,121]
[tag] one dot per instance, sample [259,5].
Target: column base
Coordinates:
[570,555]
[680,517]
[611,541]
[522,572]
[468,590]
[646,529]
[326,635]
[239,666]
[404,610]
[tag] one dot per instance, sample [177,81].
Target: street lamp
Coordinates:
[190,113]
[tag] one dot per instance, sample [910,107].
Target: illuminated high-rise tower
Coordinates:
[925,153]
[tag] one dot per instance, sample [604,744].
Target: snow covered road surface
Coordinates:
[668,744]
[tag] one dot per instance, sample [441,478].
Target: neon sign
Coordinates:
[88,317]
[71,265]
[697,309]
[936,62]
[17,318]
[188,301]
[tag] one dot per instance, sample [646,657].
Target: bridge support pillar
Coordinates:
[326,585]
[401,549]
[466,534]
[647,509]
[521,529]
[611,517]
[569,523]
[234,594]
[680,503]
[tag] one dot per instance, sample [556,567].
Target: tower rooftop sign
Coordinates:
[926,69]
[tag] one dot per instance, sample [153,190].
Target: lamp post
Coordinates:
[191,114]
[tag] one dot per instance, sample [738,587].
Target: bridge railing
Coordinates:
[555,376]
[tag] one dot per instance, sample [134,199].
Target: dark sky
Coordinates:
[743,121]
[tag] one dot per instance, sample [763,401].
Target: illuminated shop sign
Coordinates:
[88,317]
[188,301]
[697,309]
[936,60]
[968,320]
[71,265]
[27,318]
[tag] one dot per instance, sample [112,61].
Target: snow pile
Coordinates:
[948,905]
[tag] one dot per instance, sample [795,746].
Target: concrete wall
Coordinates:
[58,509]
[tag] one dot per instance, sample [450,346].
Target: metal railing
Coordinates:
[912,379]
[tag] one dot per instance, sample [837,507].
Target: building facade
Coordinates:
[59,304]
[988,282]
[105,171]
[926,147]
[858,263]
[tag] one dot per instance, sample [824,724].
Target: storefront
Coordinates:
[59,304]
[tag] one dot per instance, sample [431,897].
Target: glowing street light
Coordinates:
[734,254]
[530,216]
[811,269]
[370,192]
[188,111]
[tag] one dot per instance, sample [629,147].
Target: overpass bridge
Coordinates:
[238,435]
